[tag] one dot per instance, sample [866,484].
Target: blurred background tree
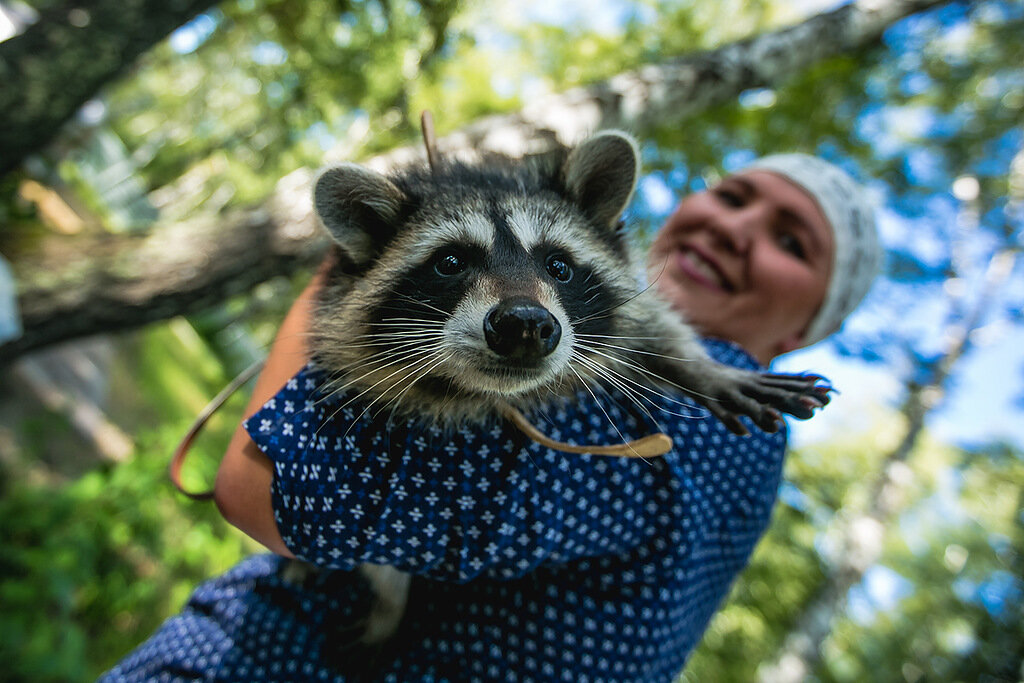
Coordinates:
[896,553]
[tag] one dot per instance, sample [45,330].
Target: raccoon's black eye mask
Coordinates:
[364,211]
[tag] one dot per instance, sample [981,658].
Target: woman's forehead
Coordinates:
[784,192]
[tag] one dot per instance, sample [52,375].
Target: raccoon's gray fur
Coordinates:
[463,287]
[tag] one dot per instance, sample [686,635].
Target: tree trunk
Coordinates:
[62,60]
[123,282]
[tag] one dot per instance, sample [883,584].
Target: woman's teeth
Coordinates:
[704,268]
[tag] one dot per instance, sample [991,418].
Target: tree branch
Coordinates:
[62,60]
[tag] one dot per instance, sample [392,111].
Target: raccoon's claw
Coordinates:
[806,385]
[765,397]
[796,395]
[728,418]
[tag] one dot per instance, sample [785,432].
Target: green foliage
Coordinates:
[91,567]
[271,86]
[274,83]
[958,552]
[964,619]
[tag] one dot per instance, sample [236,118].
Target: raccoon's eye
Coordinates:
[449,263]
[559,268]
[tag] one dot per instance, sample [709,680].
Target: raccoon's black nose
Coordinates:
[522,329]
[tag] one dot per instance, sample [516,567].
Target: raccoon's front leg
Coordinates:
[731,392]
[675,353]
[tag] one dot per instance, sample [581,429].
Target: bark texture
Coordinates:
[120,283]
[62,60]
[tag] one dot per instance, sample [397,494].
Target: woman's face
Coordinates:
[748,261]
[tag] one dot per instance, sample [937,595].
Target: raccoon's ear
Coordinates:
[358,207]
[601,174]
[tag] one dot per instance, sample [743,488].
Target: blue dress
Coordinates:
[529,564]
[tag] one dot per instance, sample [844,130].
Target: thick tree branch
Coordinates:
[62,60]
[126,282]
[83,286]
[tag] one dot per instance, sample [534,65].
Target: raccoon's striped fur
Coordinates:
[464,286]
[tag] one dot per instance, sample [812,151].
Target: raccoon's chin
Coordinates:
[505,380]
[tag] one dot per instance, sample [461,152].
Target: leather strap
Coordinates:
[178,459]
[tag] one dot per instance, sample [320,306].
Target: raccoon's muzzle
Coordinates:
[522,330]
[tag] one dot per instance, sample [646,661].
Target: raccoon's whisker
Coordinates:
[620,382]
[641,369]
[608,311]
[401,333]
[424,304]
[609,376]
[411,371]
[421,321]
[345,381]
[685,390]
[649,390]
[384,336]
[398,341]
[641,351]
[400,330]
[389,340]
[403,338]
[398,399]
[444,401]
[606,415]
[405,322]
[624,382]
[602,369]
[382,359]
[364,392]
[613,336]
[398,349]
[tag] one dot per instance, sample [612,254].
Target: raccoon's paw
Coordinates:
[763,397]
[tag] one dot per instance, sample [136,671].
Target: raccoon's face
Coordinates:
[477,283]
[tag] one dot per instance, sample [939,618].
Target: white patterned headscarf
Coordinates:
[858,255]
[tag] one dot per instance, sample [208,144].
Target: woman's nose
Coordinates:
[735,229]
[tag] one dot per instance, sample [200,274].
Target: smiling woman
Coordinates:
[772,258]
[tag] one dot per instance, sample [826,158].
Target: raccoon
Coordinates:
[464,288]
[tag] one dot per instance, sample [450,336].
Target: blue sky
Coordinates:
[982,406]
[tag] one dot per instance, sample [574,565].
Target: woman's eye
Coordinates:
[559,268]
[790,243]
[729,198]
[448,264]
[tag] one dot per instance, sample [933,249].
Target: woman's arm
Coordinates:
[242,489]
